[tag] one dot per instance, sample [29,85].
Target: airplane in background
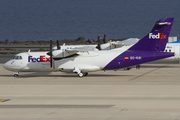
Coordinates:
[81,61]
[63,50]
[173,47]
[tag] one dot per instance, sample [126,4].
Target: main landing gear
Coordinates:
[16,74]
[79,72]
[82,74]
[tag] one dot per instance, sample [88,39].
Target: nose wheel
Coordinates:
[16,74]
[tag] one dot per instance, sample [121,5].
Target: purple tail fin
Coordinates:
[158,37]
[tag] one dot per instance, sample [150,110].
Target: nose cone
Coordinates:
[5,65]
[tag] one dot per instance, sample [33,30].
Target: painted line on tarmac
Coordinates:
[4,100]
[148,72]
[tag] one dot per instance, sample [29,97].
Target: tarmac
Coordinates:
[149,93]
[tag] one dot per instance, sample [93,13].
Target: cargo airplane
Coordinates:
[81,61]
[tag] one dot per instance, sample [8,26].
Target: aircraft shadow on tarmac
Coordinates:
[69,75]
[164,66]
[48,74]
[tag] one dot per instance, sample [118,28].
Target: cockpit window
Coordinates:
[17,57]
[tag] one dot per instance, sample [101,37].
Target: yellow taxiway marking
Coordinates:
[3,100]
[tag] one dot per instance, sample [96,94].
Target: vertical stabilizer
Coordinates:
[158,37]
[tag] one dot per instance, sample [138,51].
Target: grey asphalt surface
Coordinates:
[151,93]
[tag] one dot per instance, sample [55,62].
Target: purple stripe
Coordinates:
[134,58]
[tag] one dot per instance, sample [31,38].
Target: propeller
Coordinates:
[104,39]
[58,48]
[50,53]
[99,43]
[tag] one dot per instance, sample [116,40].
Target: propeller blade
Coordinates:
[51,53]
[98,36]
[104,39]
[58,48]
[99,43]
[51,61]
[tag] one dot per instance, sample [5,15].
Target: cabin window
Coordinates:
[169,50]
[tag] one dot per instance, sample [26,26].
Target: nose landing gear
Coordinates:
[16,74]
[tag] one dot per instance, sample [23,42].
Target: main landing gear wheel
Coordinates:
[85,74]
[80,75]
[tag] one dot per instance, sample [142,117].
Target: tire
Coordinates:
[80,75]
[15,75]
[85,74]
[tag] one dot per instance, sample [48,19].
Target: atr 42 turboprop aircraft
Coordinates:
[79,61]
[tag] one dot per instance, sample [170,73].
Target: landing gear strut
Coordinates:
[79,72]
[16,74]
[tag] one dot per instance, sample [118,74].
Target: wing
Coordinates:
[68,53]
[129,41]
[80,49]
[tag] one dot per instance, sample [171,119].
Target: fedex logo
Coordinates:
[42,58]
[158,36]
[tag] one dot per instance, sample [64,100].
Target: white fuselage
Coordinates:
[39,61]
